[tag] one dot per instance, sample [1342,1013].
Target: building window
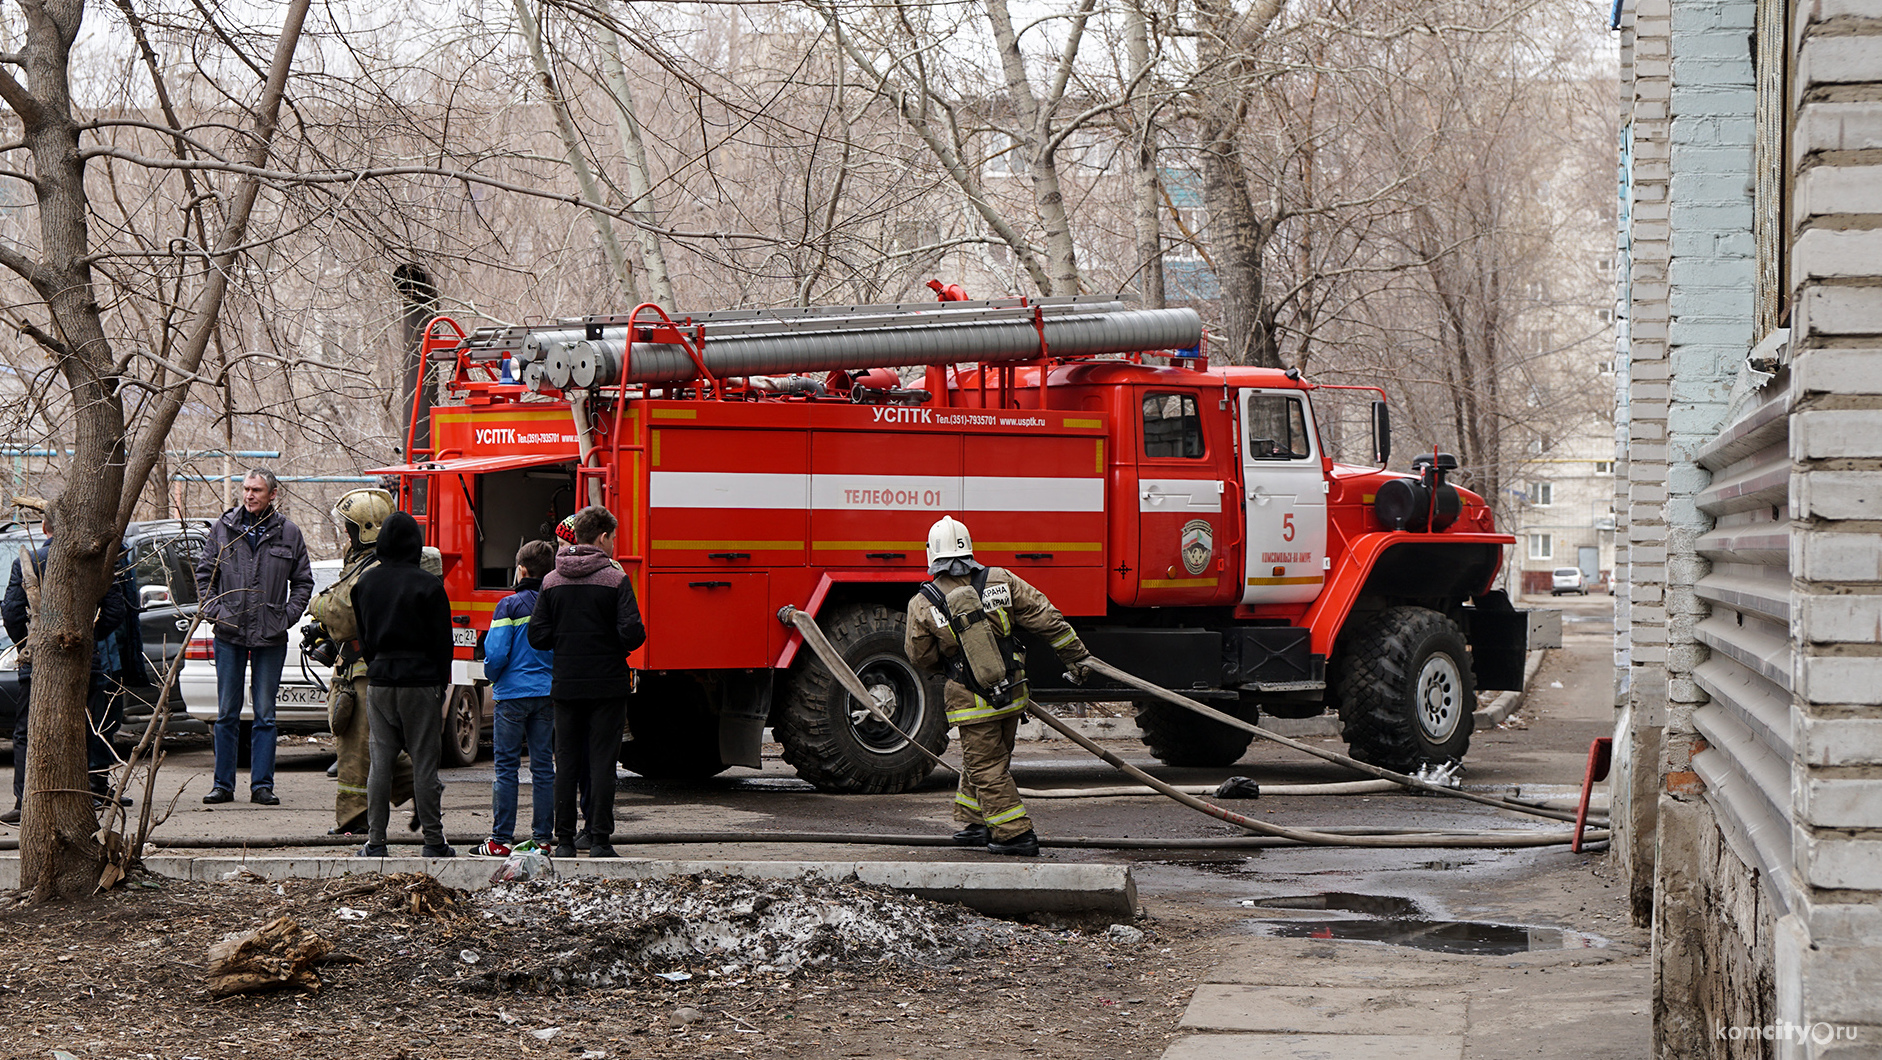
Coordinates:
[1604,467]
[1541,494]
[1541,546]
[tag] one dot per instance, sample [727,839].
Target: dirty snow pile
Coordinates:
[608,932]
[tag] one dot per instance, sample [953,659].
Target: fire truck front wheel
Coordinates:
[837,744]
[1406,689]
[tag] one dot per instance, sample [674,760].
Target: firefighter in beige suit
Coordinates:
[362,512]
[966,623]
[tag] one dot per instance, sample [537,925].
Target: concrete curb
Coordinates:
[996,888]
[1510,702]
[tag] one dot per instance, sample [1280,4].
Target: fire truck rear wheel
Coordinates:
[1406,689]
[1180,737]
[837,745]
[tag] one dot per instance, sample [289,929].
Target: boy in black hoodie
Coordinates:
[587,615]
[405,637]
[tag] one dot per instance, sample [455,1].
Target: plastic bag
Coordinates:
[523,865]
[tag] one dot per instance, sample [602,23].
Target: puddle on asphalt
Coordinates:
[1380,905]
[1441,936]
[768,784]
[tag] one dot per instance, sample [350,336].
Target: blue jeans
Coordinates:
[518,721]
[262,666]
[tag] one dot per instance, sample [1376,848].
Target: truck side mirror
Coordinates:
[1381,433]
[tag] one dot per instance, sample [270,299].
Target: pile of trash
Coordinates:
[601,933]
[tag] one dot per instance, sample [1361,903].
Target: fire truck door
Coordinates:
[1284,496]
[1182,509]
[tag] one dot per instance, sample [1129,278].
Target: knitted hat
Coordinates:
[565,530]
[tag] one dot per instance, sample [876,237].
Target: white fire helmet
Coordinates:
[948,539]
[367,509]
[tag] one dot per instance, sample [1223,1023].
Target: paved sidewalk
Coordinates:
[1312,999]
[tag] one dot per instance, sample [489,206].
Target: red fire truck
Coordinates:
[1188,519]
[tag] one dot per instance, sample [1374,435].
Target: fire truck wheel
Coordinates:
[1406,689]
[463,727]
[1180,737]
[836,744]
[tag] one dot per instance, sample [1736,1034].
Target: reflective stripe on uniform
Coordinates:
[351,790]
[1013,814]
[1065,638]
[524,621]
[983,710]
[967,800]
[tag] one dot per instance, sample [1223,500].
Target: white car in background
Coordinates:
[1567,580]
[300,705]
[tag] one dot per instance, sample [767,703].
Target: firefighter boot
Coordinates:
[1025,845]
[974,835]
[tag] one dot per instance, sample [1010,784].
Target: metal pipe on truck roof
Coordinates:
[596,362]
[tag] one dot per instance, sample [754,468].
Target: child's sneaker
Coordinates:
[490,848]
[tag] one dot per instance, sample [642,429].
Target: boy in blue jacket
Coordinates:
[519,676]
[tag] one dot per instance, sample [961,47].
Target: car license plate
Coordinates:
[301,695]
[464,638]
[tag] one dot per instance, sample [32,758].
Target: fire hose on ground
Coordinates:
[1269,835]
[818,643]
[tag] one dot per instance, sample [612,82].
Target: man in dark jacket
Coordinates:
[586,614]
[17,609]
[404,620]
[254,581]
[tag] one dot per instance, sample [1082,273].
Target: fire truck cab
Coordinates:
[1189,520]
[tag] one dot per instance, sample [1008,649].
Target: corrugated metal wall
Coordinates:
[1747,725]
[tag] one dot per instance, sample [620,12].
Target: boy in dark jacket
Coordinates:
[587,615]
[519,677]
[404,620]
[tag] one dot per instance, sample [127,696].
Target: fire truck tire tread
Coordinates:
[818,738]
[1382,666]
[1180,737]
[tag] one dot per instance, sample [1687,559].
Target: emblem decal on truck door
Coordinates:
[1198,545]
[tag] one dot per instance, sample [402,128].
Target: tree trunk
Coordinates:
[653,259]
[59,857]
[1146,207]
[572,149]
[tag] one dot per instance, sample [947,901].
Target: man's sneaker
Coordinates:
[370,851]
[102,799]
[334,769]
[490,848]
[264,797]
[563,850]
[11,816]
[974,835]
[1024,846]
[443,850]
[217,795]
[602,850]
[582,841]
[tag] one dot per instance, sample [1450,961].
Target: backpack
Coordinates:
[990,657]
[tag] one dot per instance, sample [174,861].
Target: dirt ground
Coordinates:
[123,975]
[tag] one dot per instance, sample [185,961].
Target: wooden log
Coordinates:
[279,955]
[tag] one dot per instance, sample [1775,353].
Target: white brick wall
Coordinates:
[1836,550]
